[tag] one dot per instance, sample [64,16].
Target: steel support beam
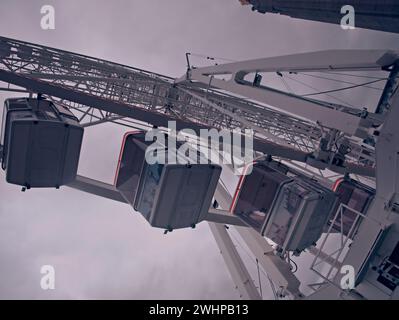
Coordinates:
[234,263]
[123,110]
[221,216]
[277,269]
[354,60]
[382,217]
[97,188]
[154,99]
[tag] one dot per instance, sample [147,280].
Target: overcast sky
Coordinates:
[102,249]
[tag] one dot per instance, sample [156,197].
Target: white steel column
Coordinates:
[237,269]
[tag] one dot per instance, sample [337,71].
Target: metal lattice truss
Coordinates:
[101,91]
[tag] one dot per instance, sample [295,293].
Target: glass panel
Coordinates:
[149,182]
[64,111]
[3,124]
[129,166]
[257,193]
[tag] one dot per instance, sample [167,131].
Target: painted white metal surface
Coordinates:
[333,60]
[235,265]
[134,97]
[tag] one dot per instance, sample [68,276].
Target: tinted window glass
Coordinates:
[64,111]
[149,182]
[3,124]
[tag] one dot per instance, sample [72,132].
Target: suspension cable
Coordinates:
[337,80]
[355,75]
[341,89]
[313,88]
